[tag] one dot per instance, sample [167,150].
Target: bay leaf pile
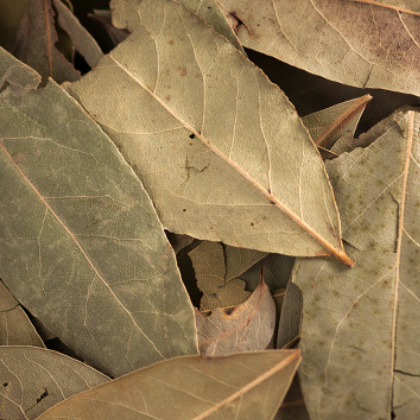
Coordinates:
[209,209]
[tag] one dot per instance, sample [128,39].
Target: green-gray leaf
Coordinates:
[80,244]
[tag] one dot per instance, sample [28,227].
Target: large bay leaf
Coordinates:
[328,125]
[246,386]
[407,6]
[35,41]
[220,150]
[249,326]
[15,326]
[360,326]
[81,246]
[33,380]
[349,42]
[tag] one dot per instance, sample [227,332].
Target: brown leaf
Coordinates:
[353,43]
[246,386]
[249,326]
[34,44]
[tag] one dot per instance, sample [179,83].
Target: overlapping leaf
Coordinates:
[243,386]
[349,42]
[166,115]
[353,366]
[81,246]
[15,326]
[249,326]
[33,380]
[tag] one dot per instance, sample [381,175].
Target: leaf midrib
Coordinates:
[74,239]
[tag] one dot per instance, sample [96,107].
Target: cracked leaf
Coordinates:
[90,259]
[33,380]
[243,386]
[15,326]
[358,44]
[246,327]
[347,356]
[172,129]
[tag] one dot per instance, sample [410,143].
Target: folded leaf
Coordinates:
[353,366]
[328,125]
[349,42]
[81,246]
[15,326]
[33,380]
[220,149]
[249,326]
[242,386]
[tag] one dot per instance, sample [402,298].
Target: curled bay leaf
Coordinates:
[15,326]
[249,326]
[347,357]
[33,380]
[244,386]
[81,246]
[338,41]
[166,117]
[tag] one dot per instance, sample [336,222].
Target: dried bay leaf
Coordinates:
[15,326]
[170,126]
[10,17]
[328,125]
[35,40]
[33,380]
[407,6]
[83,41]
[352,43]
[244,386]
[249,326]
[359,332]
[90,258]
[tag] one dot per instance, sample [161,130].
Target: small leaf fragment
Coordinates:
[249,326]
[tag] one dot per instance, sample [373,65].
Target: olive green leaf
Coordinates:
[81,246]
[245,386]
[33,380]
[15,326]
[359,332]
[328,125]
[249,326]
[220,149]
[10,17]
[353,43]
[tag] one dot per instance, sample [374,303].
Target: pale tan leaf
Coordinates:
[349,357]
[328,125]
[222,173]
[15,326]
[81,246]
[407,6]
[249,326]
[246,386]
[33,380]
[349,42]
